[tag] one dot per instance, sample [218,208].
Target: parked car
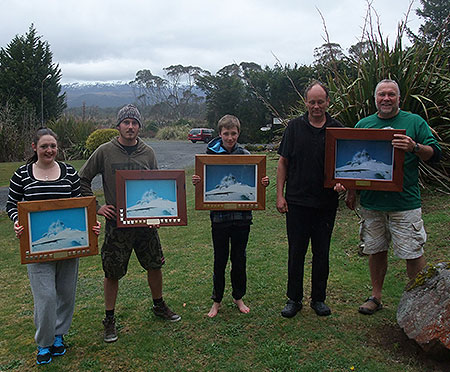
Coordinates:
[200,134]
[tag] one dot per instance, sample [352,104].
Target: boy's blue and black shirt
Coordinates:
[215,147]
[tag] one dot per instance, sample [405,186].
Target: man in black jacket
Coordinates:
[310,208]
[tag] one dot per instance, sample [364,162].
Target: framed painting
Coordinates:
[230,182]
[57,229]
[151,197]
[363,159]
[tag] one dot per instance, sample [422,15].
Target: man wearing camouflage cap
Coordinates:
[125,152]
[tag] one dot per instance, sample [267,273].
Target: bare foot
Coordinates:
[214,309]
[243,308]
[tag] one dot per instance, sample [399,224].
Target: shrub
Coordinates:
[72,135]
[184,122]
[98,137]
[17,127]
[149,129]
[258,148]
[173,132]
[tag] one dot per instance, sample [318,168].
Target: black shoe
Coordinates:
[291,309]
[320,308]
[110,334]
[163,311]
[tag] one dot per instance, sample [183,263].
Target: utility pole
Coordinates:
[42,98]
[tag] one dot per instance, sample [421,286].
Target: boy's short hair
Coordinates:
[228,122]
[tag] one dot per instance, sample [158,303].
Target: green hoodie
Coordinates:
[108,158]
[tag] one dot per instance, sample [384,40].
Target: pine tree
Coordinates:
[26,72]
[436,14]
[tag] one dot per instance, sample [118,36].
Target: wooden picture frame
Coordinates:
[230,182]
[57,229]
[363,159]
[151,197]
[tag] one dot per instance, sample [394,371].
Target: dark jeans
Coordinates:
[222,234]
[305,224]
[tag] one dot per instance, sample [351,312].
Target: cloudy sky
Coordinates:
[99,40]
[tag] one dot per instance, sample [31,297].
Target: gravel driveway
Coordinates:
[176,154]
[169,154]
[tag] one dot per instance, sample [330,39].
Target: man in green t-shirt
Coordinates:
[395,216]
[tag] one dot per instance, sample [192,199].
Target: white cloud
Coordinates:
[103,40]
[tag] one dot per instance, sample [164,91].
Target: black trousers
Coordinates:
[222,236]
[305,224]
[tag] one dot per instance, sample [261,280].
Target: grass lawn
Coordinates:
[259,341]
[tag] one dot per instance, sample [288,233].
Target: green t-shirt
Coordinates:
[416,128]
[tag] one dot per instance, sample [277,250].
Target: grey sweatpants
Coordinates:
[53,285]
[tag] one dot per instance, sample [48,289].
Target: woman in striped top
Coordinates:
[53,283]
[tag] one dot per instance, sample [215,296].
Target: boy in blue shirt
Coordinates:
[229,226]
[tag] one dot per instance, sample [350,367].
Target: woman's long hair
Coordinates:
[39,133]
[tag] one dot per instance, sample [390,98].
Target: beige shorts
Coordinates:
[404,228]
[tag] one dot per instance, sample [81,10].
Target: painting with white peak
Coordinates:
[58,229]
[151,198]
[233,183]
[361,159]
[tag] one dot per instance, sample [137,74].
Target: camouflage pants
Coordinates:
[120,242]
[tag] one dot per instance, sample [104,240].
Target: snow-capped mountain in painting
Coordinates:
[362,166]
[58,236]
[229,189]
[150,205]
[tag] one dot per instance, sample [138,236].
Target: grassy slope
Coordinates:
[261,341]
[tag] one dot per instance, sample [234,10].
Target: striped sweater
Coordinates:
[23,186]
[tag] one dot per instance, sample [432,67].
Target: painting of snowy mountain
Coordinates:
[359,159]
[58,229]
[151,198]
[232,183]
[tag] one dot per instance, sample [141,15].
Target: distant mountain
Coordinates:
[100,94]
[103,95]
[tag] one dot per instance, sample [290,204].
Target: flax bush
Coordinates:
[173,132]
[72,136]
[422,72]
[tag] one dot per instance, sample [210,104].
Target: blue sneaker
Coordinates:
[58,347]
[44,355]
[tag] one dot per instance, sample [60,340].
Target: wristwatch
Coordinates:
[416,148]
